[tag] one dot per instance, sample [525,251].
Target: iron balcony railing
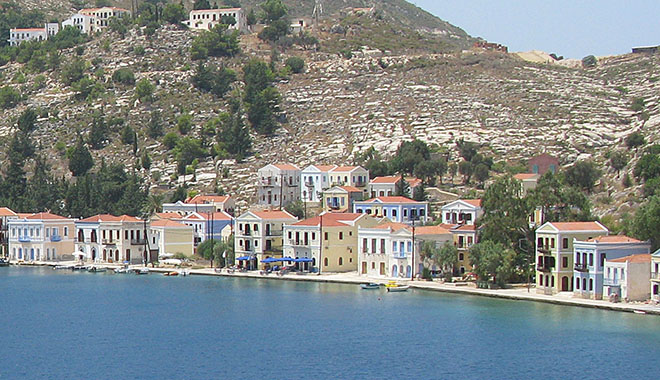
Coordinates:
[611,282]
[24,239]
[55,238]
[542,268]
[581,267]
[655,275]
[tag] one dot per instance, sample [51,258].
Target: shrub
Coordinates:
[9,97]
[634,140]
[124,76]
[170,140]
[589,61]
[144,90]
[184,123]
[296,64]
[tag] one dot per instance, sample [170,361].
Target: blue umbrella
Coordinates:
[288,259]
[302,260]
[243,258]
[270,260]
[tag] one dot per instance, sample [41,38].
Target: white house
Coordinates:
[386,186]
[315,179]
[206,19]
[278,184]
[84,23]
[355,176]
[397,209]
[628,277]
[259,234]
[40,236]
[202,204]
[18,35]
[101,16]
[462,211]
[110,238]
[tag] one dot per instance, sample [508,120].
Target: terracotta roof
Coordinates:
[395,226]
[207,199]
[29,30]
[641,258]
[168,223]
[578,226]
[466,227]
[473,202]
[5,211]
[273,214]
[45,216]
[89,10]
[330,219]
[219,215]
[110,218]
[431,230]
[168,215]
[351,189]
[414,182]
[325,168]
[392,199]
[524,176]
[344,168]
[387,179]
[614,239]
[286,167]
[216,10]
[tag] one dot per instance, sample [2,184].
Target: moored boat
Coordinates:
[4,262]
[370,285]
[95,269]
[142,271]
[173,273]
[398,288]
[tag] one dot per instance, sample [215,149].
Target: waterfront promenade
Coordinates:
[515,293]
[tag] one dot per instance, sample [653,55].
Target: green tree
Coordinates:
[217,42]
[427,171]
[124,76]
[274,31]
[201,4]
[145,160]
[491,260]
[409,154]
[80,160]
[127,135]
[206,249]
[648,166]
[465,168]
[257,76]
[402,188]
[144,90]
[155,127]
[251,17]
[445,257]
[273,10]
[73,72]
[634,140]
[9,97]
[97,133]
[583,175]
[647,222]
[179,194]
[618,160]
[234,136]
[296,209]
[170,140]
[296,64]
[261,112]
[481,173]
[174,13]
[184,123]
[27,120]
[558,202]
[467,149]
[187,149]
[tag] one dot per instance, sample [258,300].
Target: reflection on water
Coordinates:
[62,324]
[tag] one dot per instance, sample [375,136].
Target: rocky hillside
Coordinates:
[341,105]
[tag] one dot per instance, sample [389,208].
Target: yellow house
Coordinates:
[330,239]
[41,237]
[554,253]
[341,198]
[172,237]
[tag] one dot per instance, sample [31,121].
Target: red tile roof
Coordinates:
[29,30]
[473,202]
[286,167]
[431,230]
[325,168]
[395,226]
[5,211]
[220,215]
[614,239]
[641,258]
[273,214]
[392,199]
[578,226]
[466,227]
[45,216]
[207,199]
[414,182]
[351,189]
[168,215]
[110,218]
[330,219]
[344,168]
[524,176]
[217,10]
[168,223]
[387,180]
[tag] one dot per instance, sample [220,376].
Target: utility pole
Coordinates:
[281,188]
[320,242]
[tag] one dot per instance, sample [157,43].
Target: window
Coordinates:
[591,284]
[405,212]
[373,245]
[325,236]
[469,241]
[623,274]
[564,243]
[577,283]
[373,265]
[591,259]
[461,256]
[290,235]
[552,281]
[256,227]
[341,235]
[325,262]
[393,246]
[341,261]
[382,245]
[552,242]
[394,213]
[313,235]
[564,262]
[364,246]
[602,260]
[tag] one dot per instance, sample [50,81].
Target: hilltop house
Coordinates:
[259,235]
[590,257]
[627,278]
[315,179]
[355,176]
[554,253]
[397,209]
[84,23]
[40,236]
[206,19]
[18,35]
[202,204]
[387,186]
[278,185]
[542,164]
[330,239]
[208,225]
[341,198]
[101,16]
[110,238]
[462,211]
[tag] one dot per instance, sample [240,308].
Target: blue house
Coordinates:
[397,209]
[589,257]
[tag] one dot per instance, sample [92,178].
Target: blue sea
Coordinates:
[71,325]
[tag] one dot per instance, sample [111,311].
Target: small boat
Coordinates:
[391,284]
[78,267]
[69,267]
[122,270]
[95,269]
[398,288]
[142,271]
[4,262]
[173,273]
[639,312]
[370,285]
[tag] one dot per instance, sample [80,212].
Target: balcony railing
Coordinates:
[543,249]
[55,238]
[138,242]
[399,255]
[655,275]
[299,242]
[581,267]
[24,239]
[542,268]
[109,242]
[611,282]
[244,233]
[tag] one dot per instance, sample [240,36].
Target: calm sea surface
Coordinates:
[70,325]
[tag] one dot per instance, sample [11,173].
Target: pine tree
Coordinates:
[97,133]
[80,160]
[155,128]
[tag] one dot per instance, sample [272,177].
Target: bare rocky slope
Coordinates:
[341,106]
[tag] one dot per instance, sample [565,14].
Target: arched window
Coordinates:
[591,284]
[577,285]
[552,281]
[341,261]
[81,236]
[325,262]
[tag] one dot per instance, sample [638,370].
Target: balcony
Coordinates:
[24,239]
[542,268]
[399,255]
[138,242]
[109,242]
[611,282]
[543,249]
[273,251]
[55,238]
[244,233]
[581,267]
[655,275]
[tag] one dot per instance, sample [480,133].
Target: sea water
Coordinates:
[77,325]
